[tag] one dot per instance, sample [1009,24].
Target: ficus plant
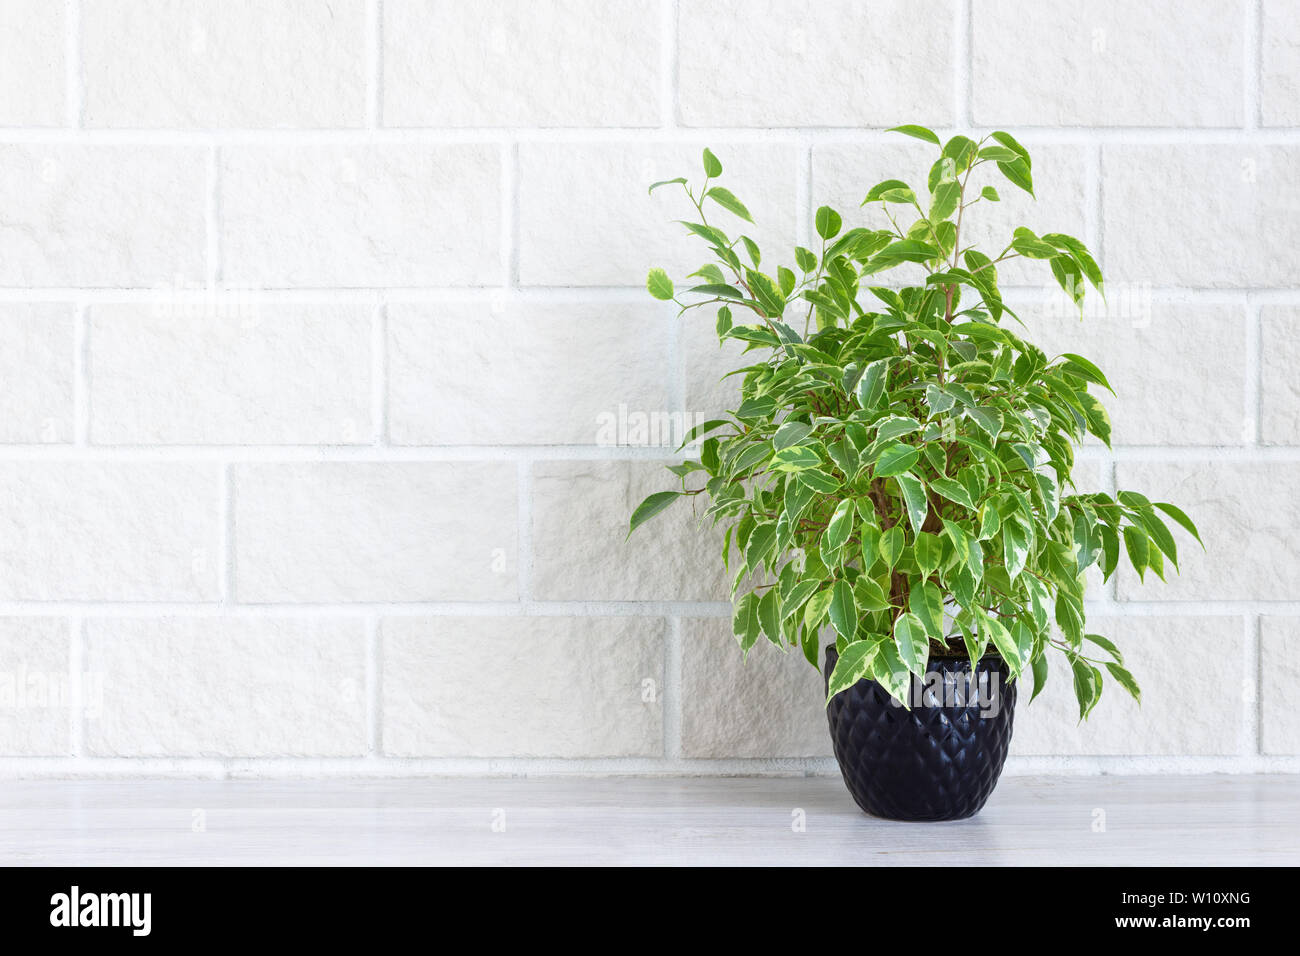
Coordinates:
[899,465]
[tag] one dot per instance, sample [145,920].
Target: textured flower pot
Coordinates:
[938,760]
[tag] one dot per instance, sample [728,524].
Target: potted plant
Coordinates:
[898,469]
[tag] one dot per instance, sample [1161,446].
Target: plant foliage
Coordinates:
[899,463]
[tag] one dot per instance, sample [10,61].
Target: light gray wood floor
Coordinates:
[1106,821]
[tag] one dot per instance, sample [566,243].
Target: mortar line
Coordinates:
[672,697]
[524,535]
[669,14]
[212,218]
[1253,426]
[375,64]
[963,62]
[510,216]
[75,94]
[81,372]
[76,685]
[379,375]
[374,688]
[1253,42]
[226,541]
[1253,726]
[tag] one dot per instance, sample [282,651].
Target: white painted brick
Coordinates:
[1191,673]
[32,86]
[815,63]
[706,362]
[1107,63]
[539,374]
[108,531]
[1279,664]
[35,687]
[521,63]
[581,551]
[530,687]
[1168,208]
[1247,514]
[234,687]
[205,63]
[36,368]
[1179,371]
[254,374]
[1279,66]
[101,215]
[843,173]
[352,216]
[769,705]
[585,217]
[1279,395]
[391,531]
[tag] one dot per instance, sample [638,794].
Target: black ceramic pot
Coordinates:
[938,760]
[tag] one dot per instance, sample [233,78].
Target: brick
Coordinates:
[32,68]
[523,374]
[1279,68]
[253,374]
[126,531]
[580,521]
[1279,663]
[1247,515]
[1162,221]
[706,362]
[102,215]
[522,63]
[806,63]
[1279,397]
[1107,63]
[361,531]
[36,345]
[293,63]
[1187,706]
[843,173]
[1194,394]
[363,216]
[530,687]
[35,687]
[585,218]
[228,687]
[769,705]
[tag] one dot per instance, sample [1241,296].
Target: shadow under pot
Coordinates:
[937,760]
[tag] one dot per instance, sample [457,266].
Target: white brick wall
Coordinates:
[314,317]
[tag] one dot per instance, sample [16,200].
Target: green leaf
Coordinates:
[745,624]
[912,643]
[854,664]
[839,528]
[870,595]
[1106,645]
[805,259]
[953,491]
[1125,680]
[760,545]
[818,480]
[1087,685]
[944,200]
[814,612]
[989,420]
[790,433]
[1015,547]
[1005,643]
[667,182]
[908,250]
[891,190]
[917,132]
[890,546]
[926,602]
[871,385]
[769,615]
[1002,154]
[725,199]
[844,610]
[914,498]
[927,550]
[652,505]
[1040,676]
[1182,519]
[1018,174]
[1139,554]
[659,285]
[896,458]
[828,222]
[712,166]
